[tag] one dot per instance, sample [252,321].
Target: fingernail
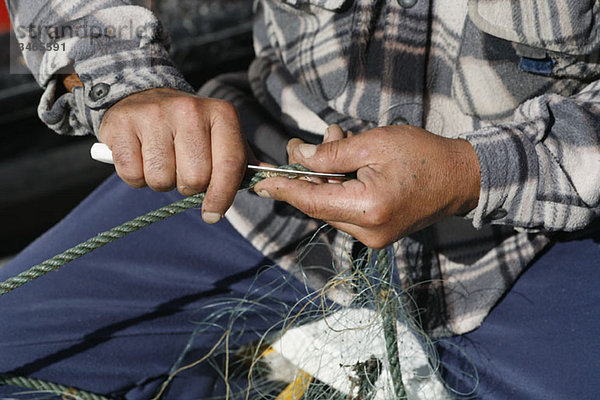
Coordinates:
[211,218]
[264,194]
[326,135]
[307,150]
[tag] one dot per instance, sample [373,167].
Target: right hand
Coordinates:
[164,138]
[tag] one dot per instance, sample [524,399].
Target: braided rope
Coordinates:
[50,387]
[98,241]
[389,321]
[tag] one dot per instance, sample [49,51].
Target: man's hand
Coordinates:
[164,138]
[407,178]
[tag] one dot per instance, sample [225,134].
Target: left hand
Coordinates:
[407,179]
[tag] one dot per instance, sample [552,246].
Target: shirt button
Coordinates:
[407,3]
[498,214]
[99,91]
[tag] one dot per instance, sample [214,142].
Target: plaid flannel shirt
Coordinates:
[518,79]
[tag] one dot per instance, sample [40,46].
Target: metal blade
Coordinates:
[299,173]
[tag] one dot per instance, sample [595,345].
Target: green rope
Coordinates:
[389,321]
[98,241]
[54,388]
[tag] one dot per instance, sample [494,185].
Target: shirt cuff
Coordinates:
[509,176]
[119,75]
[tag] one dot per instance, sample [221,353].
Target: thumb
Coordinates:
[344,155]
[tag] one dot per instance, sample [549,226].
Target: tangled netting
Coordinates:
[318,348]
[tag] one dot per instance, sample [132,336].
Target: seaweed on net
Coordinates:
[314,347]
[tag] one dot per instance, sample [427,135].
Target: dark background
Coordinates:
[44,175]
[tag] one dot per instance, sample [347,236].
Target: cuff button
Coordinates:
[99,91]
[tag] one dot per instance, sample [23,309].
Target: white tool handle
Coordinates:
[101,152]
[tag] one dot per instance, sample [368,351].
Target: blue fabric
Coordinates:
[541,341]
[116,320]
[537,66]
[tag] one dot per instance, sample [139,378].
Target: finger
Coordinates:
[228,162]
[193,159]
[345,202]
[127,158]
[345,155]
[333,132]
[158,156]
[292,143]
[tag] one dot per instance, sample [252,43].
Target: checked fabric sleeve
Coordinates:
[542,170]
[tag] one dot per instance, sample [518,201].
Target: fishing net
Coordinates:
[320,348]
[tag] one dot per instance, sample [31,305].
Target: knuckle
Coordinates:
[133,176]
[186,104]
[138,184]
[195,180]
[224,110]
[187,191]
[160,182]
[223,106]
[135,182]
[130,170]
[332,150]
